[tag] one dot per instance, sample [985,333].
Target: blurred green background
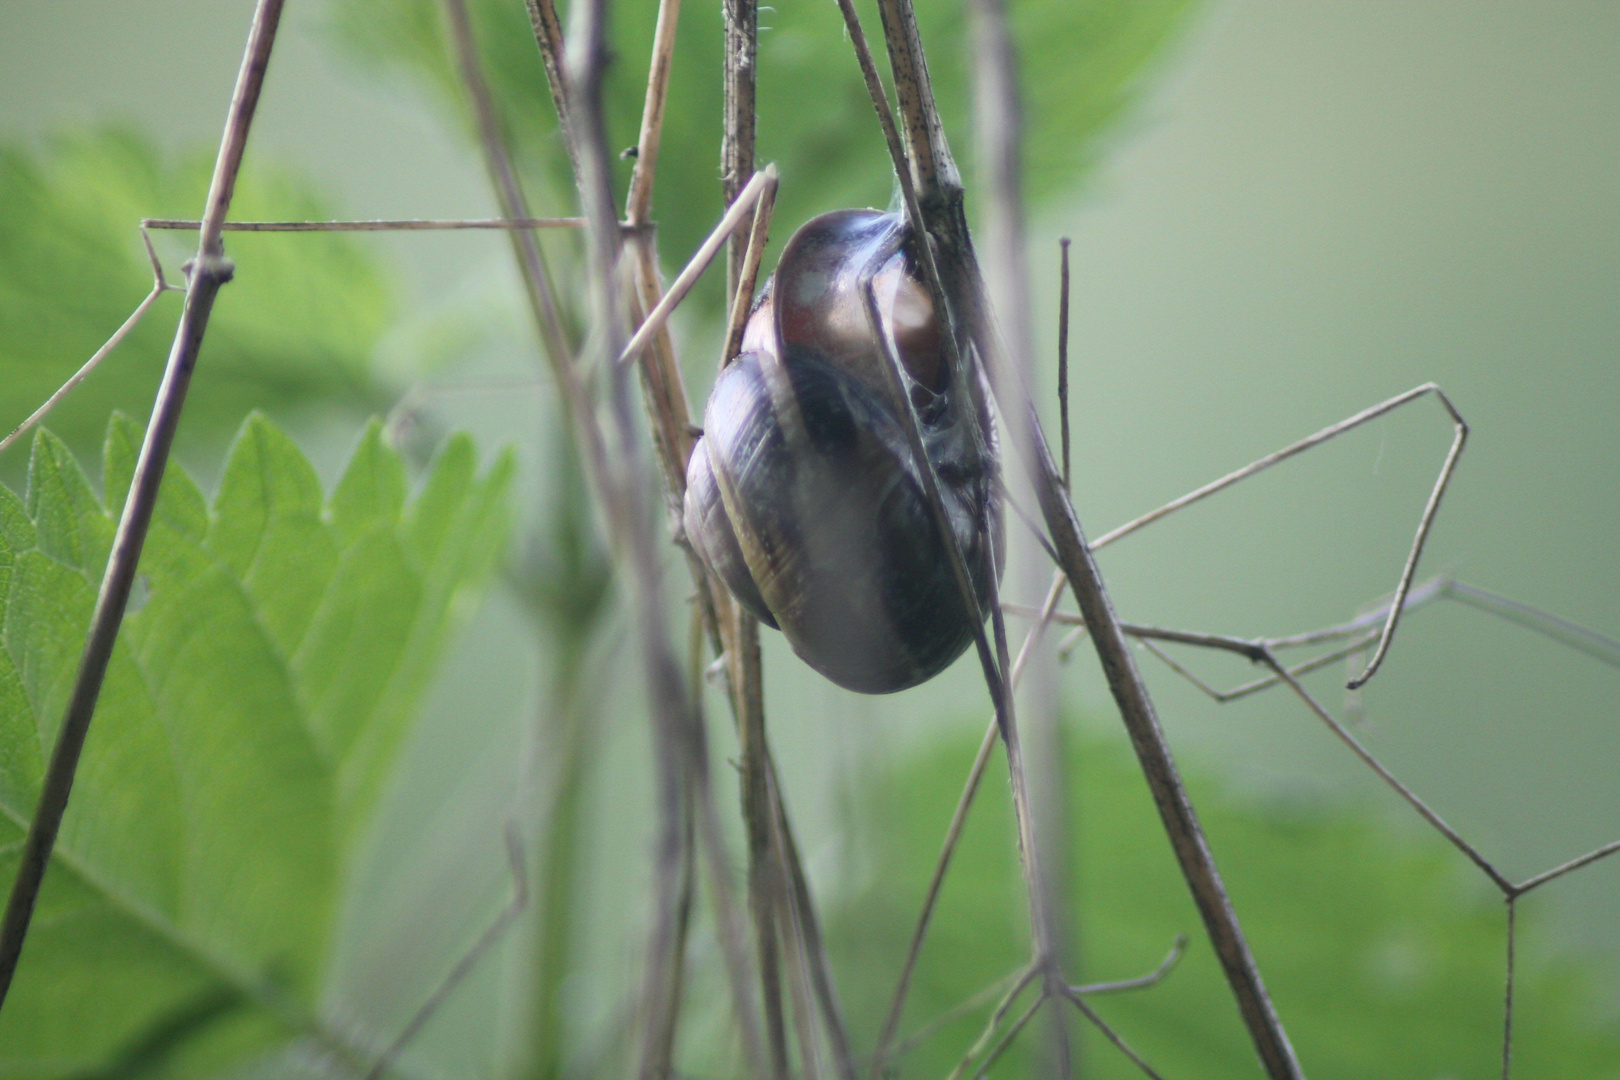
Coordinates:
[1300,210]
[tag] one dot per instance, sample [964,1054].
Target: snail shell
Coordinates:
[804,496]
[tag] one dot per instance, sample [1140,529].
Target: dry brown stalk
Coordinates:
[160,285]
[208,272]
[373,224]
[931,187]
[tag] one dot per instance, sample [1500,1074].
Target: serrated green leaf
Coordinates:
[250,714]
[298,325]
[1083,61]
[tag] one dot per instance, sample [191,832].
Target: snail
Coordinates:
[804,495]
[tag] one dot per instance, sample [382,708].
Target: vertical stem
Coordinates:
[736,168]
[209,271]
[737,140]
[667,402]
[672,721]
[998,127]
[548,34]
[553,878]
[1507,995]
[747,684]
[809,929]
[939,198]
[1063,361]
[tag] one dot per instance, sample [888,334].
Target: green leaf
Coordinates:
[251,712]
[299,325]
[1383,951]
[1083,62]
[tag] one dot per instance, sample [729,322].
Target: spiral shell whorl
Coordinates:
[804,495]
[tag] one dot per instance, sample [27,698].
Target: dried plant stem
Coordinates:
[548,35]
[1007,1039]
[939,202]
[469,960]
[748,704]
[734,635]
[1507,993]
[1111,1035]
[758,185]
[159,286]
[740,76]
[953,834]
[743,302]
[1425,521]
[1559,871]
[375,225]
[998,129]
[1063,360]
[209,271]
[1177,949]
[674,725]
[615,476]
[808,928]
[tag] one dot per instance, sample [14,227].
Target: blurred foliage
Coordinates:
[1383,953]
[299,326]
[251,714]
[1082,61]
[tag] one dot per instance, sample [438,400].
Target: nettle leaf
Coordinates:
[1383,951]
[299,325]
[250,716]
[1083,62]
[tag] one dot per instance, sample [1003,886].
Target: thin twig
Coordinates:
[375,225]
[1028,975]
[762,180]
[1425,523]
[159,286]
[548,36]
[749,707]
[673,723]
[1433,589]
[1559,871]
[962,1008]
[209,271]
[616,478]
[638,200]
[953,834]
[1262,464]
[1167,965]
[1012,1033]
[1561,630]
[808,927]
[1507,993]
[738,125]
[740,76]
[946,226]
[1063,359]
[743,302]
[1384,774]
[673,443]
[1425,520]
[469,960]
[995,666]
[795,962]
[1111,1035]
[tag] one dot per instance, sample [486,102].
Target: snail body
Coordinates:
[804,495]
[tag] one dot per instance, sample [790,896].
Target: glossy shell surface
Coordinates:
[803,494]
